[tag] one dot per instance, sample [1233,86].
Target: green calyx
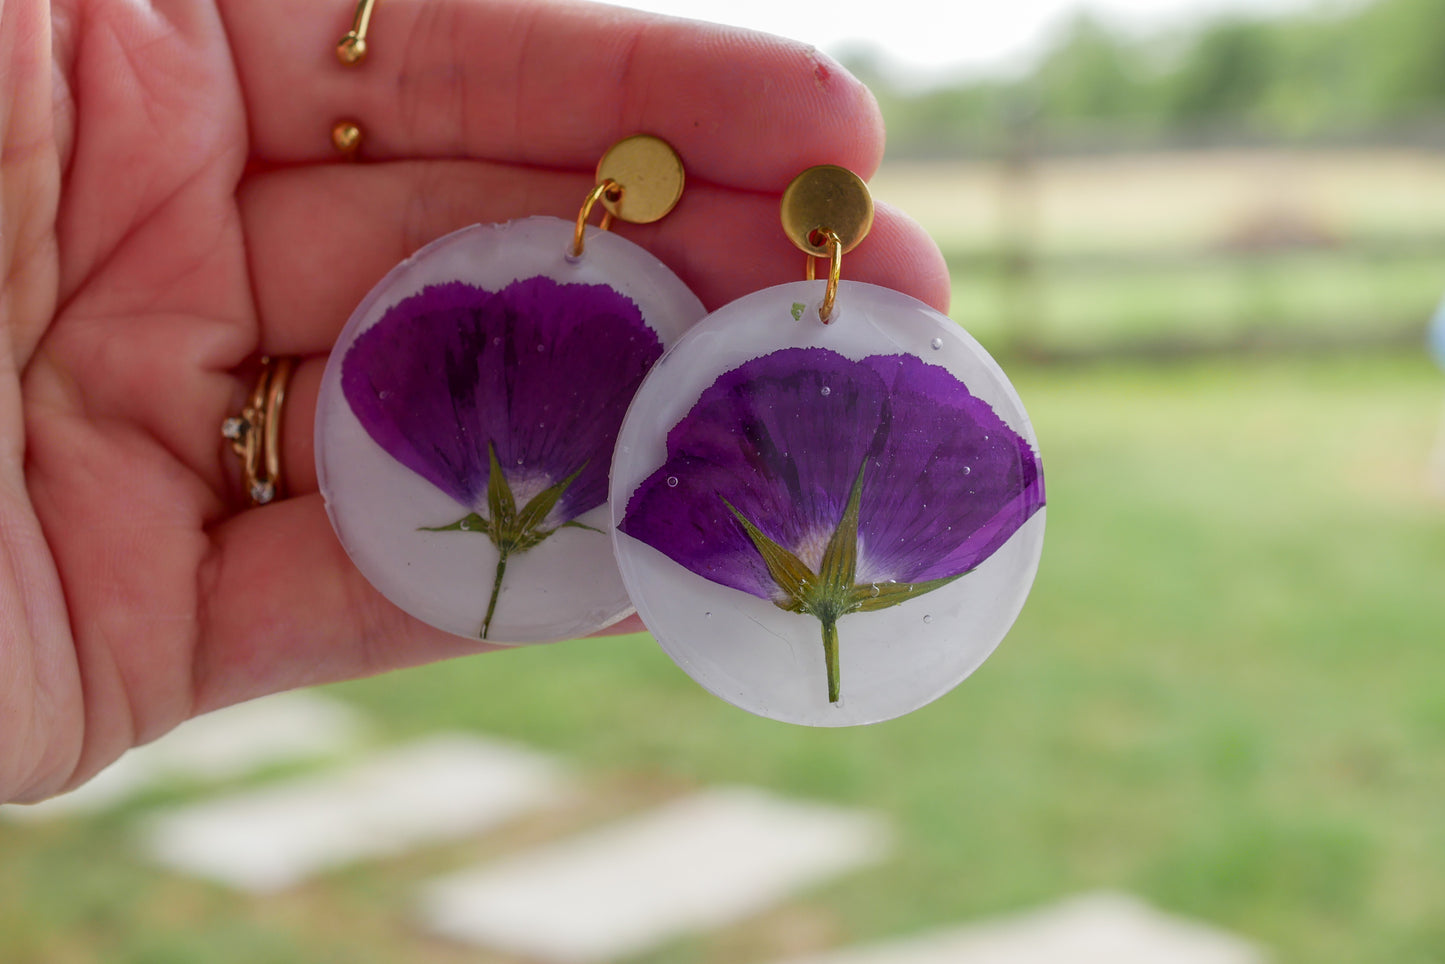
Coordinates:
[833,591]
[510,530]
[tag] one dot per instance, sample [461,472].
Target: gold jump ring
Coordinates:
[605,187]
[835,272]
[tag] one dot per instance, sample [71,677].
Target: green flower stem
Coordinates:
[496,588]
[830,657]
[833,591]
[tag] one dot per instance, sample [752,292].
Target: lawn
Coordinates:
[1211,248]
[1227,694]
[1287,300]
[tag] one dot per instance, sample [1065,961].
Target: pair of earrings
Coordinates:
[808,452]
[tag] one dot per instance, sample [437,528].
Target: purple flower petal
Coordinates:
[783,438]
[766,437]
[541,371]
[952,483]
[680,509]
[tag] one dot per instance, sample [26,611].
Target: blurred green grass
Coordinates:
[1224,695]
[1290,298]
[1189,248]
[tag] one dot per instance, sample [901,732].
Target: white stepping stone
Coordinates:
[438,789]
[697,863]
[228,743]
[1092,929]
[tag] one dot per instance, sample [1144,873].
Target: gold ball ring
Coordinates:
[255,434]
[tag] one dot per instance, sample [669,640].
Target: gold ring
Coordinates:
[255,434]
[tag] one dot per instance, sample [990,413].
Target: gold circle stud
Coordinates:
[346,137]
[649,176]
[826,199]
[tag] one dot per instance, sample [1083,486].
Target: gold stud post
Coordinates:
[352,48]
[346,137]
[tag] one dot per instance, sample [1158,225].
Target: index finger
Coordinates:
[548,84]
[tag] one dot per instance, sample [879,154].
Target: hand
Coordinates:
[172,208]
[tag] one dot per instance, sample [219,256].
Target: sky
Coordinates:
[934,39]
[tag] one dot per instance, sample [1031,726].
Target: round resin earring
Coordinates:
[827,498]
[469,409]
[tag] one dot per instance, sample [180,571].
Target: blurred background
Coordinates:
[1206,241]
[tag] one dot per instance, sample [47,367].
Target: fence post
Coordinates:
[1017,230]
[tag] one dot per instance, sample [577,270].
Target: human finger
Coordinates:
[320,238]
[547,84]
[284,607]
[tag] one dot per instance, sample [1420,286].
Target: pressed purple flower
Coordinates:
[508,401]
[831,486]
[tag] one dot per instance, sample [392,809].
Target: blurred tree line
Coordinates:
[1355,72]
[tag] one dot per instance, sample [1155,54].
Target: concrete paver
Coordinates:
[442,788]
[694,864]
[1103,928]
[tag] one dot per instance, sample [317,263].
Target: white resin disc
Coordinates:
[567,586]
[745,649]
